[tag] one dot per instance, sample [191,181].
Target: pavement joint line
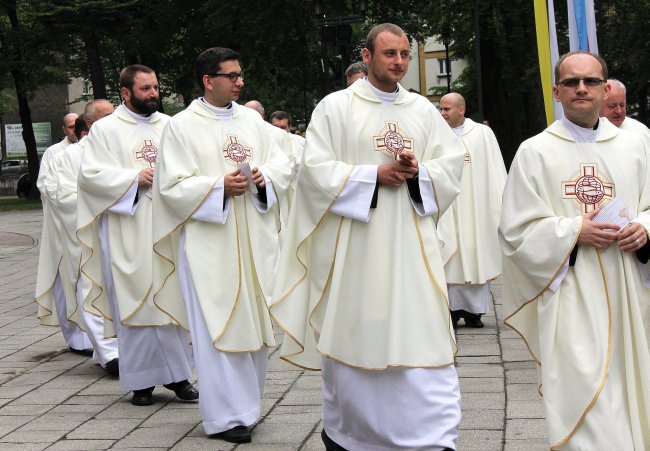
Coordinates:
[504,421]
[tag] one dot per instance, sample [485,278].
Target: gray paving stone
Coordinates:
[525,409]
[523,392]
[482,401]
[11,423]
[104,429]
[289,434]
[469,440]
[518,429]
[45,396]
[302,397]
[124,409]
[94,399]
[526,445]
[313,443]
[483,420]
[173,416]
[21,436]
[30,410]
[479,370]
[80,445]
[20,446]
[521,376]
[163,436]
[201,444]
[481,385]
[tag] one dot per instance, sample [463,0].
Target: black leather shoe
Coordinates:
[184,390]
[83,352]
[142,397]
[113,367]
[238,434]
[330,445]
[455,316]
[473,320]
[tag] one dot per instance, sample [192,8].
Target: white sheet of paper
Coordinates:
[615,212]
[246,171]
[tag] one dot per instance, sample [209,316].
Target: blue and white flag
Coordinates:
[582,26]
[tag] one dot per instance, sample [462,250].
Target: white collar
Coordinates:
[581,134]
[385,97]
[460,129]
[139,118]
[222,113]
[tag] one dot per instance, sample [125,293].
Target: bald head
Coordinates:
[68,126]
[97,109]
[614,106]
[255,105]
[452,109]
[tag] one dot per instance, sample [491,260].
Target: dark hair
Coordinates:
[209,62]
[602,62]
[356,68]
[80,126]
[280,115]
[128,75]
[372,35]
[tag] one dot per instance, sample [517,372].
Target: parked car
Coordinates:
[13,167]
[24,186]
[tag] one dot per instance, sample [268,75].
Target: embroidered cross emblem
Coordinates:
[148,152]
[588,188]
[234,152]
[392,141]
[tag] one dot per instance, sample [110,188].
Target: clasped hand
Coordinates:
[236,184]
[601,234]
[394,174]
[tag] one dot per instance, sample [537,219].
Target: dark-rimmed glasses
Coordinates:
[233,76]
[590,82]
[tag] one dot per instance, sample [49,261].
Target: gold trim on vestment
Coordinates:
[608,355]
[170,261]
[302,278]
[387,366]
[44,293]
[505,321]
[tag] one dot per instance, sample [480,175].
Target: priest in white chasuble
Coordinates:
[468,230]
[220,177]
[54,309]
[105,349]
[576,277]
[115,230]
[361,289]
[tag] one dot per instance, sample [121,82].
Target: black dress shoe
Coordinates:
[142,397]
[330,445]
[184,390]
[473,320]
[113,367]
[83,352]
[238,434]
[455,316]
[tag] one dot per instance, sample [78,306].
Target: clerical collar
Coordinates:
[385,97]
[459,130]
[581,134]
[139,118]
[222,113]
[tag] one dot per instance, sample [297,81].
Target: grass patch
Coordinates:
[20,204]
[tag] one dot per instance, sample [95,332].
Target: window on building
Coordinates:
[85,88]
[443,70]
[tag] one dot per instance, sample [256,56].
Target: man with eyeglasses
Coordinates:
[114,213]
[361,290]
[220,176]
[615,109]
[575,276]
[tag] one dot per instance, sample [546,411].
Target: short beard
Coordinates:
[143,106]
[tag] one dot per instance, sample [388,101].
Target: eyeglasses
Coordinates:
[588,81]
[233,76]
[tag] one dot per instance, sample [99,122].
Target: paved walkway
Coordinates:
[52,399]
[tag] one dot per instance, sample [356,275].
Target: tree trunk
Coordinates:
[17,72]
[95,65]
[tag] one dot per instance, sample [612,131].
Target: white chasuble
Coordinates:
[50,252]
[231,261]
[367,294]
[588,330]
[117,149]
[633,125]
[468,230]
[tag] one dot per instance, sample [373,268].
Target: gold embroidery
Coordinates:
[392,141]
[588,188]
